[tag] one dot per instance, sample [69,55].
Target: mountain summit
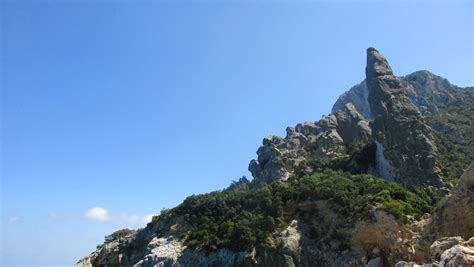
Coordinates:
[399,130]
[379,130]
[360,186]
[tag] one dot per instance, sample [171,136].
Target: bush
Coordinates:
[243,216]
[118,234]
[454,131]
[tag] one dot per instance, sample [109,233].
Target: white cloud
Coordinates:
[102,214]
[13,220]
[98,214]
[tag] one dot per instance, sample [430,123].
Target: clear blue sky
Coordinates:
[131,107]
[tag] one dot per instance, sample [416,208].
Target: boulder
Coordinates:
[459,255]
[454,214]
[442,244]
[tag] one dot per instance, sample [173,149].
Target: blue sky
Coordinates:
[132,106]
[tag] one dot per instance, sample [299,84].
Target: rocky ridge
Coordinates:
[381,126]
[377,127]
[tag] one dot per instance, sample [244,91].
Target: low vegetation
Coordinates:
[243,216]
[454,131]
[119,234]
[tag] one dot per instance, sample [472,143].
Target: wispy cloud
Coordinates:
[13,220]
[53,216]
[98,214]
[102,214]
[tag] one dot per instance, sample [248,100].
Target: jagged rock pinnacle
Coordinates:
[405,143]
[405,148]
[377,65]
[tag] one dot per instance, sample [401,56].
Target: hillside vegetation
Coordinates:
[454,131]
[243,216]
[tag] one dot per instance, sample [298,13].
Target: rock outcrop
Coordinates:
[382,114]
[399,128]
[358,95]
[443,244]
[424,89]
[447,252]
[459,255]
[428,91]
[451,223]
[327,140]
[454,214]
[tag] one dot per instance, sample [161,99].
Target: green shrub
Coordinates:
[453,127]
[243,216]
[394,207]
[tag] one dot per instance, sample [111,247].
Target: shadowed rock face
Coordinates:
[382,112]
[424,89]
[398,126]
[454,215]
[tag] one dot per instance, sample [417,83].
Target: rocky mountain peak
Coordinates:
[382,114]
[405,142]
[377,65]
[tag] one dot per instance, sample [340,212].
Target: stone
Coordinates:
[442,244]
[470,242]
[290,238]
[376,262]
[454,214]
[459,255]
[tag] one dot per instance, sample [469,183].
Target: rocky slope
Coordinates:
[379,126]
[416,132]
[441,240]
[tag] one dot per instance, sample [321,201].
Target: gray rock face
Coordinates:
[358,96]
[163,251]
[383,112]
[442,244]
[399,127]
[122,251]
[167,252]
[427,91]
[424,89]
[279,158]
